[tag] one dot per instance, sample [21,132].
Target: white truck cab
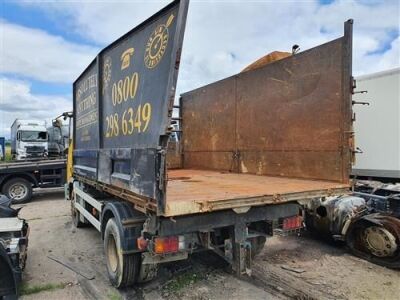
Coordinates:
[29,139]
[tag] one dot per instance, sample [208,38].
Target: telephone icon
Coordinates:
[126,58]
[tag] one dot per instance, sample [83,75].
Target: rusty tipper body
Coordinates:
[252,149]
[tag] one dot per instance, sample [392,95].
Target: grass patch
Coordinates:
[38,288]
[8,156]
[113,295]
[183,280]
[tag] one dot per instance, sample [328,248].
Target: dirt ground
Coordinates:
[297,266]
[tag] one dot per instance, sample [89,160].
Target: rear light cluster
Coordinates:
[291,223]
[163,245]
[166,244]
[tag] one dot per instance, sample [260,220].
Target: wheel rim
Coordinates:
[112,253]
[380,241]
[18,191]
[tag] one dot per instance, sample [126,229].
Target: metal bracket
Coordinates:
[358,151]
[241,250]
[359,102]
[148,258]
[161,178]
[360,92]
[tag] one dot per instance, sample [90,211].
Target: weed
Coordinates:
[183,280]
[113,295]
[34,289]
[8,156]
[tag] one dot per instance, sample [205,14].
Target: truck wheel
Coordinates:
[76,218]
[19,190]
[75,214]
[123,269]
[257,244]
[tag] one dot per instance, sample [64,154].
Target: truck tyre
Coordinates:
[19,190]
[76,218]
[257,244]
[75,214]
[123,269]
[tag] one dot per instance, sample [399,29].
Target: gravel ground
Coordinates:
[322,270]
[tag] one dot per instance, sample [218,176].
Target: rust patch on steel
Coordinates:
[288,118]
[174,156]
[141,203]
[212,190]
[178,178]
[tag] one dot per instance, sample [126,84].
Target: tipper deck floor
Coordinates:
[196,191]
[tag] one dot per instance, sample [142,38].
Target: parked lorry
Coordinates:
[253,149]
[29,139]
[17,179]
[378,127]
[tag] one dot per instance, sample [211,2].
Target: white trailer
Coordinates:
[29,139]
[377,125]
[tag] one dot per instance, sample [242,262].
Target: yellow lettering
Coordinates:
[120,96]
[126,88]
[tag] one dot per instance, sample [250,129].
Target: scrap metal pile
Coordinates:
[14,234]
[367,221]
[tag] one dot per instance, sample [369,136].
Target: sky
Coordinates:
[45,45]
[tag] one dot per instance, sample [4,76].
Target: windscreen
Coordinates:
[33,136]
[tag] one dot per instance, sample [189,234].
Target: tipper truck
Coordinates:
[253,149]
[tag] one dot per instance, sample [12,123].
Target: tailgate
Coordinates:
[123,105]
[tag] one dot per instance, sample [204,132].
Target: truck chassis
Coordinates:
[17,179]
[133,240]
[276,137]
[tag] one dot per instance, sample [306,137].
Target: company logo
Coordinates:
[106,72]
[157,44]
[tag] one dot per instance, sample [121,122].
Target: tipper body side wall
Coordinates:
[290,118]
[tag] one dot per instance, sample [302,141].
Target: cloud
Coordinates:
[114,17]
[222,37]
[17,101]
[369,63]
[36,54]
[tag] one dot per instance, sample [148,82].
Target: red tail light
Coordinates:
[166,244]
[291,223]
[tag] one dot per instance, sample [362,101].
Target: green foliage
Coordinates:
[182,281]
[34,289]
[113,295]
[8,156]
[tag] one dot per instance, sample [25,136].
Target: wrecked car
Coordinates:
[369,233]
[14,234]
